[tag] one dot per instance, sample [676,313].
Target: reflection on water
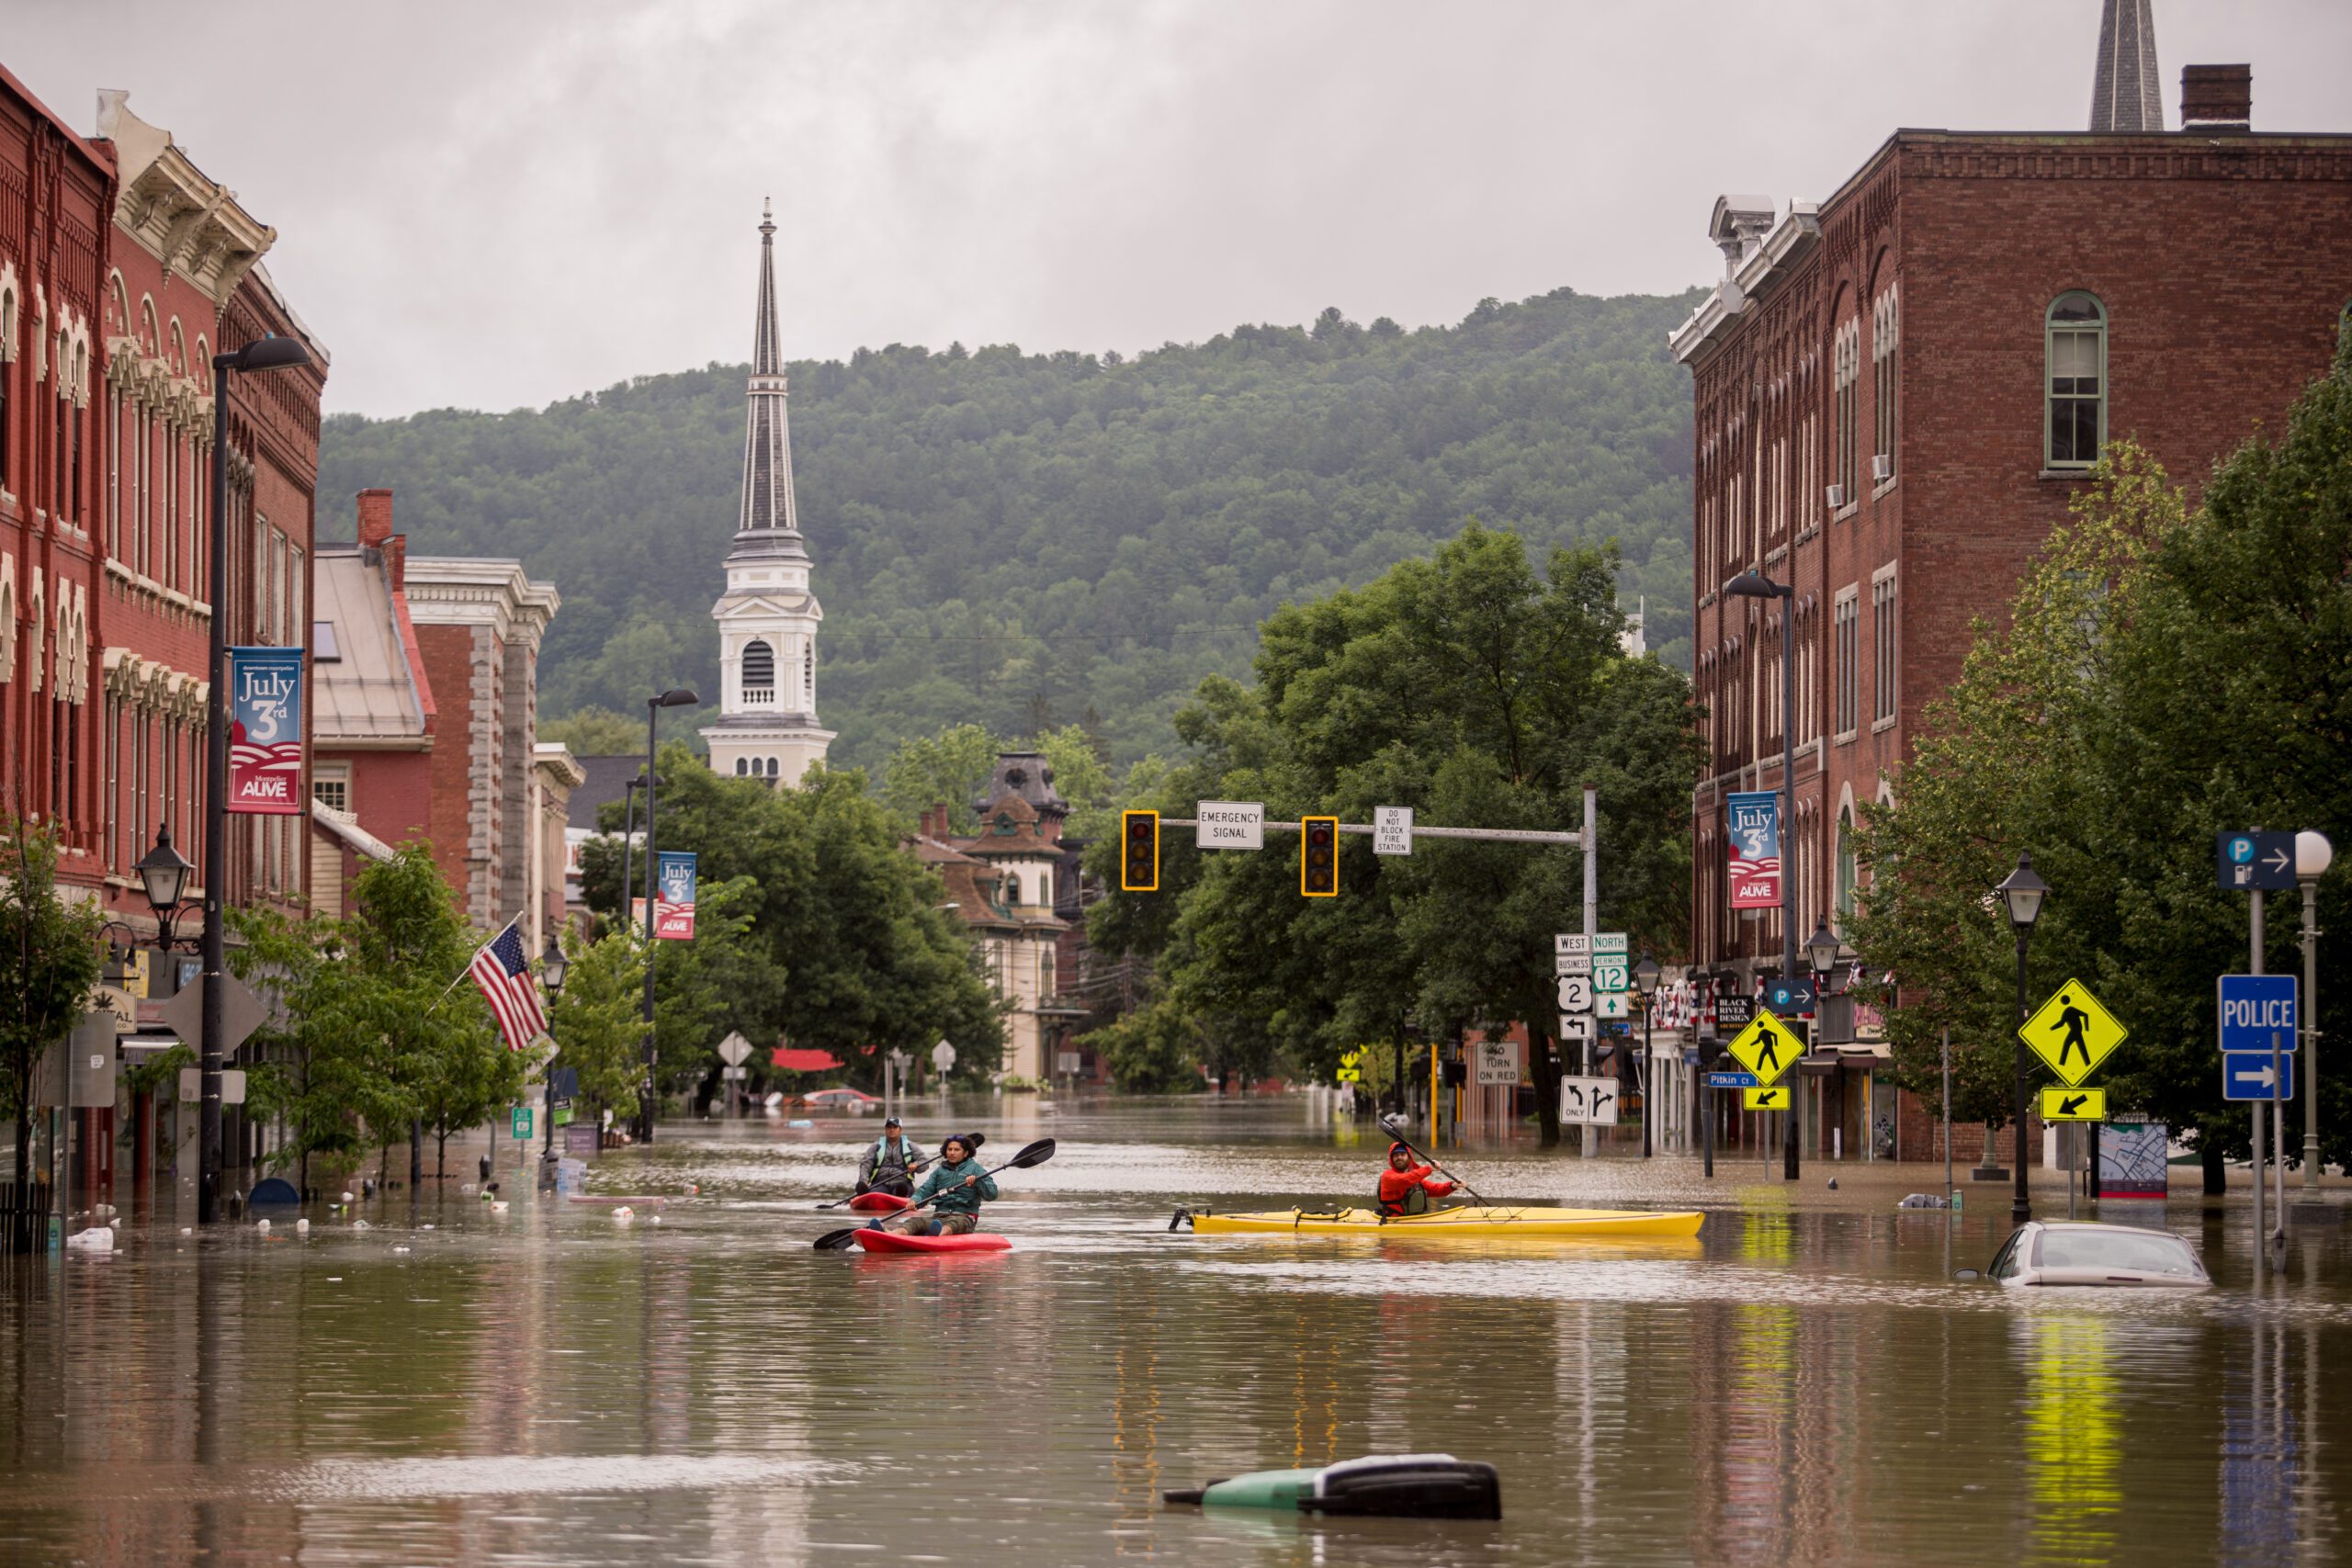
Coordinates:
[1802,1382]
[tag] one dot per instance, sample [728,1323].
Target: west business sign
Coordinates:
[266,731]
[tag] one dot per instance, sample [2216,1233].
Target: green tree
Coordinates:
[1480,693]
[597,1021]
[52,963]
[596,732]
[948,769]
[2107,732]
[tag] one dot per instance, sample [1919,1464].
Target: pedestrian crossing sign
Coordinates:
[2072,1032]
[1767,1048]
[1776,1097]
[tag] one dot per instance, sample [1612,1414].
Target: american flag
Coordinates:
[504,977]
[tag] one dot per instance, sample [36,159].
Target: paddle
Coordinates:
[915,1168]
[1390,1124]
[1036,1154]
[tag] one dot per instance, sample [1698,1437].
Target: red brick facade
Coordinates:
[2219,266]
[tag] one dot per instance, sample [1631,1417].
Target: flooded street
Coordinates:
[1804,1383]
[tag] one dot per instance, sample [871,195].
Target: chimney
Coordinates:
[2217,98]
[395,548]
[375,517]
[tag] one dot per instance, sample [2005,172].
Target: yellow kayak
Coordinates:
[1486,1221]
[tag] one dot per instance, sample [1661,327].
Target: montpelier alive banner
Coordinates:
[1755,843]
[266,731]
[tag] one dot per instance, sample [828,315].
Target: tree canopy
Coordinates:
[2167,675]
[1004,539]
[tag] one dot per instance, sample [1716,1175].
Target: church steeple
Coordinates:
[769,616]
[2125,93]
[767,507]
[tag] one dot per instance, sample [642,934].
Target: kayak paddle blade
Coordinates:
[836,1241]
[1036,1154]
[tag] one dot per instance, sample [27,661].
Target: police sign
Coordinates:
[2255,1008]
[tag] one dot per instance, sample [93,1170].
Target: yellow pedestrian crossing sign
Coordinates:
[2072,1032]
[1767,1048]
[1779,1096]
[2073,1105]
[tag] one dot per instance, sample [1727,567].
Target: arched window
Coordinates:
[758,666]
[1845,865]
[2074,352]
[742,766]
[772,769]
[809,676]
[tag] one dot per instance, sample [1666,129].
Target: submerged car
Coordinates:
[2080,1252]
[840,1100]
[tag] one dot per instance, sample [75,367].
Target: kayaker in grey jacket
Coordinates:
[891,1164]
[960,1183]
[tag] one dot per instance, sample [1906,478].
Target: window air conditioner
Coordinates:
[1881,467]
[1837,497]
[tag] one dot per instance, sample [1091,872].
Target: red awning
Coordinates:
[806,1061]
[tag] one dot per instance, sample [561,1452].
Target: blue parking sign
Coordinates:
[2254,1008]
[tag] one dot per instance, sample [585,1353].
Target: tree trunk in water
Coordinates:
[21,1223]
[2217,1175]
[1543,1071]
[415,1155]
[441,1156]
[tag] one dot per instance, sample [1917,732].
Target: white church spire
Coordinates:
[768,616]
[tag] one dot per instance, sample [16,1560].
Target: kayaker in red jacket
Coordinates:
[1406,1188]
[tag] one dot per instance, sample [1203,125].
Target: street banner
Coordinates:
[674,897]
[1754,844]
[266,731]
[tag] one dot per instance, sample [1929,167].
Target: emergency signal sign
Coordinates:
[1139,851]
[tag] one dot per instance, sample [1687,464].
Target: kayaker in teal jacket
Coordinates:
[960,1184]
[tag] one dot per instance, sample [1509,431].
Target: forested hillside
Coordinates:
[1015,539]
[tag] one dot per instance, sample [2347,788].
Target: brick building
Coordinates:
[1899,389]
[425,696]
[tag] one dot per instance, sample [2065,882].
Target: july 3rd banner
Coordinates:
[266,731]
[674,896]
[1754,845]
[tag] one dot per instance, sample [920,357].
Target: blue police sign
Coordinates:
[2251,860]
[2248,1075]
[2255,1008]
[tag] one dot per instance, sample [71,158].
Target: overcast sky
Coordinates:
[498,203]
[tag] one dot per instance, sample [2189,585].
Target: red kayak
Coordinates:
[878,1203]
[895,1241]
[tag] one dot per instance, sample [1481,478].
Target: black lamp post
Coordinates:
[1751,585]
[676,698]
[261,354]
[164,872]
[1645,981]
[2022,891]
[551,967]
[1702,1029]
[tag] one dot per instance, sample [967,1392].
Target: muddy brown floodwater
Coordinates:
[1802,1384]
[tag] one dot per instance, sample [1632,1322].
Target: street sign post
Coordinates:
[1576,1027]
[2250,1074]
[942,1058]
[2253,862]
[241,1014]
[2073,1105]
[1392,831]
[2072,1032]
[734,1050]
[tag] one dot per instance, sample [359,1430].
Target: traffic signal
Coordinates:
[1139,851]
[1318,856]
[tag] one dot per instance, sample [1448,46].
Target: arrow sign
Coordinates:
[2248,1075]
[2073,1105]
[2254,859]
[1775,1098]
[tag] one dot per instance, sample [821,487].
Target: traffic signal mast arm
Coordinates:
[1501,835]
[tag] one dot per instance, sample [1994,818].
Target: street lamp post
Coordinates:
[1703,997]
[163,873]
[2023,891]
[2313,855]
[676,698]
[1752,585]
[1821,956]
[1645,974]
[551,970]
[261,354]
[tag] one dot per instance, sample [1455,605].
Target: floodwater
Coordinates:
[1802,1384]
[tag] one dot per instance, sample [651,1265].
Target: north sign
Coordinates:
[2072,1032]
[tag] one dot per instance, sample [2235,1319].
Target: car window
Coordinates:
[2005,1262]
[2142,1252]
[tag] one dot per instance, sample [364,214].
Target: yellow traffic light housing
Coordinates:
[1318,856]
[1138,851]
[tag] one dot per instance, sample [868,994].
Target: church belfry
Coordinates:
[768,616]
